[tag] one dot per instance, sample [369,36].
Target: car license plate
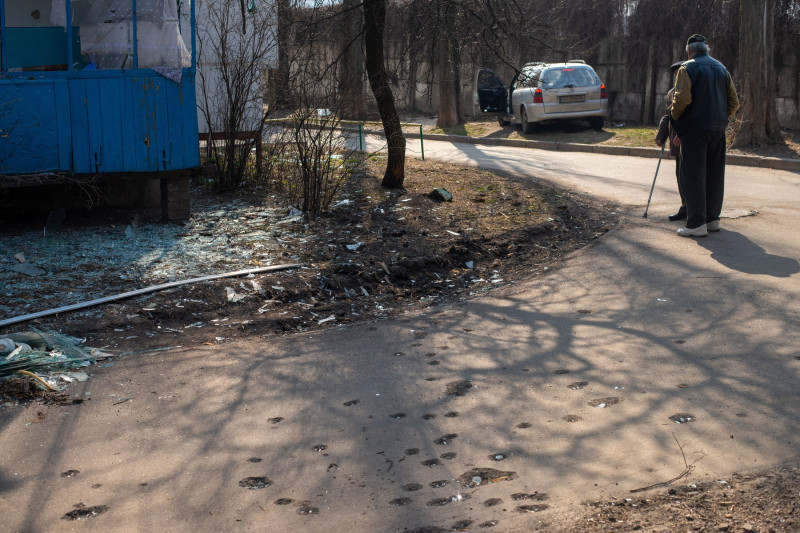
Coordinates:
[572,98]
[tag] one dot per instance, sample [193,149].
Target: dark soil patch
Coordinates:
[458,388]
[25,391]
[254,483]
[81,511]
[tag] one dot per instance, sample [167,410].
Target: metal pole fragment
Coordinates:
[194,37]
[135,40]
[70,59]
[145,290]
[3,44]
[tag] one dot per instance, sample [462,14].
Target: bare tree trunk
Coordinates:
[652,76]
[374,25]
[411,88]
[756,75]
[280,95]
[447,69]
[352,62]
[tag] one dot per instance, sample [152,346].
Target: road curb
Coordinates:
[777,163]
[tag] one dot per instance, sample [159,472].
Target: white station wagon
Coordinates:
[543,92]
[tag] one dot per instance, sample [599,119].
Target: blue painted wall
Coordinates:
[97,121]
[35,129]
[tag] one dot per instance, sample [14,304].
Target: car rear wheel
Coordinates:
[527,127]
[502,121]
[596,123]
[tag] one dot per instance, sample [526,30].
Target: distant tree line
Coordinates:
[332,50]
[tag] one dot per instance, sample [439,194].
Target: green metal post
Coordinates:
[421,145]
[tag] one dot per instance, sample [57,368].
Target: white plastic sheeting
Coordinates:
[106,31]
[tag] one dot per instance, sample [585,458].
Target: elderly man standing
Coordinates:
[704,100]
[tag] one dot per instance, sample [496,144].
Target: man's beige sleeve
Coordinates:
[683,93]
[733,99]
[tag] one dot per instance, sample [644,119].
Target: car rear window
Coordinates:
[574,76]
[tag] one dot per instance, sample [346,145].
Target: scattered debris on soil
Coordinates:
[769,501]
[38,365]
[376,253]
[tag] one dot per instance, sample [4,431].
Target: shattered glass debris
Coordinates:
[48,357]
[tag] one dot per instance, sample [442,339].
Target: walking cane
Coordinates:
[653,186]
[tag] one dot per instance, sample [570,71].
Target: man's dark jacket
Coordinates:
[704,96]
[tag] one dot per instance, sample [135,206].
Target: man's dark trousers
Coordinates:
[702,175]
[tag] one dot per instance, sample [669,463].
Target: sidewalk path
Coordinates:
[649,324]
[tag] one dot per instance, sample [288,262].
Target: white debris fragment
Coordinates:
[69,377]
[7,345]
[332,317]
[233,296]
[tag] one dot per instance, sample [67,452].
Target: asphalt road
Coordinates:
[574,377]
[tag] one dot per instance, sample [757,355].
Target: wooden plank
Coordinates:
[79,108]
[133,147]
[95,124]
[63,124]
[173,127]
[126,131]
[140,123]
[112,146]
[154,153]
[162,126]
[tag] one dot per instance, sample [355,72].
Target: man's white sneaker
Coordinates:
[713,225]
[699,231]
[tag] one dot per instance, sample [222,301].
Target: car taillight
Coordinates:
[603,92]
[537,96]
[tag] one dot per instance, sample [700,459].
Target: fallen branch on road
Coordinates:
[686,471]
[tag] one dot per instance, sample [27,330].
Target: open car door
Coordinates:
[492,93]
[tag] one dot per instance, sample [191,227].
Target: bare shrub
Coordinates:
[235,48]
[310,159]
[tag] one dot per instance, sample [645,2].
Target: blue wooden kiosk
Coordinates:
[102,89]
